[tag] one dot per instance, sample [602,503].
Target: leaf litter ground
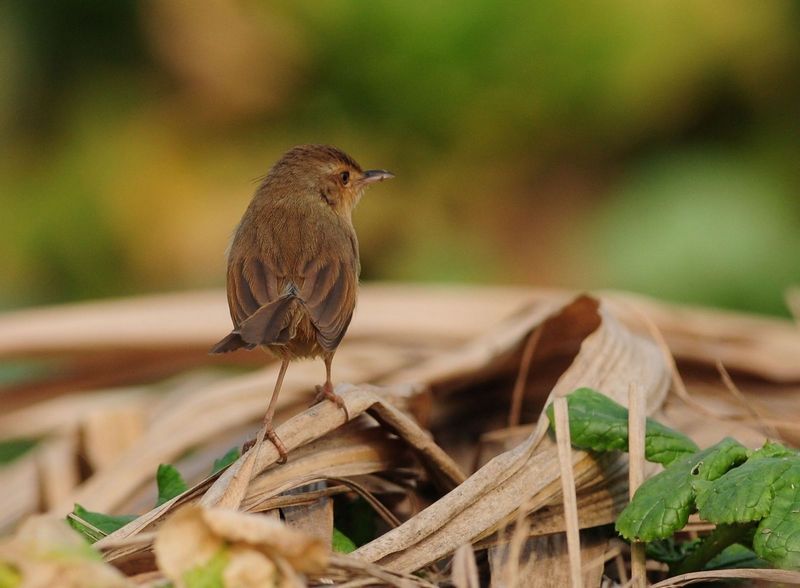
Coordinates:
[448,491]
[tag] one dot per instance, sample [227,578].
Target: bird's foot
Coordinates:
[274,439]
[325,392]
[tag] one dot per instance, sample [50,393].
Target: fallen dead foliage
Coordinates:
[45,552]
[434,378]
[261,551]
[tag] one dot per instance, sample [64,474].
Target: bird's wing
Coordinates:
[328,293]
[251,285]
[261,303]
[261,313]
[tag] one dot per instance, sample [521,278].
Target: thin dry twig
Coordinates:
[508,575]
[636,460]
[340,561]
[772,576]
[568,490]
[522,377]
[678,385]
[752,406]
[383,512]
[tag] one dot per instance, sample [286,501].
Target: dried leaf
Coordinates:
[195,536]
[45,552]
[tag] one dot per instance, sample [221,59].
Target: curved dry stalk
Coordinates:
[352,565]
[387,515]
[772,576]
[678,385]
[231,488]
[753,407]
[522,377]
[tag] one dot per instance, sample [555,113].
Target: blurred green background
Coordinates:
[652,146]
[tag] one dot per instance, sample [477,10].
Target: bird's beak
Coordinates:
[372,176]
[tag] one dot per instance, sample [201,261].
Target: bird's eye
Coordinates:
[345,177]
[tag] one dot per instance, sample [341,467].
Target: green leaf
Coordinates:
[355,519]
[342,543]
[106,524]
[231,456]
[598,423]
[670,551]
[14,449]
[170,483]
[734,557]
[772,449]
[766,488]
[661,506]
[745,493]
[208,575]
[777,537]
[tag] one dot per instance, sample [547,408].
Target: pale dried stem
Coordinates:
[779,577]
[568,490]
[383,512]
[678,385]
[636,459]
[522,377]
[353,565]
[752,406]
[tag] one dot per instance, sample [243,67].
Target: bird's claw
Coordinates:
[275,440]
[325,392]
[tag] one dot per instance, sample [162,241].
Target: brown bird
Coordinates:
[293,264]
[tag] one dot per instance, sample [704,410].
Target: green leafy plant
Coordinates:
[598,423]
[210,574]
[96,525]
[14,449]
[752,496]
[223,462]
[98,521]
[342,543]
[170,483]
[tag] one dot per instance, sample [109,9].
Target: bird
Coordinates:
[293,265]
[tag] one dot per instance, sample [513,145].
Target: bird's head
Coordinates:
[321,173]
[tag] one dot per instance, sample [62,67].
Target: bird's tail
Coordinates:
[269,325]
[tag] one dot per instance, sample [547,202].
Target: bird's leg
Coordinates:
[326,390]
[268,431]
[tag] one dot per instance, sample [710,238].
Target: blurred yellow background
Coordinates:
[652,146]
